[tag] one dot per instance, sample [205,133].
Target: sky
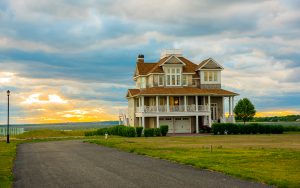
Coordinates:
[73,60]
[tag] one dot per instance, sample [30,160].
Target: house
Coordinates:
[179,93]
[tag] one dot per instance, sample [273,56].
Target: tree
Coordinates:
[244,110]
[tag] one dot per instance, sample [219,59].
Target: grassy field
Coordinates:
[271,159]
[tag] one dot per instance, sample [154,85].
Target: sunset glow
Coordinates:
[73,62]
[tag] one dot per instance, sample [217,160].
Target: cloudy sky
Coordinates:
[73,60]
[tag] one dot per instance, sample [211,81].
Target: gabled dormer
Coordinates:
[172,67]
[210,74]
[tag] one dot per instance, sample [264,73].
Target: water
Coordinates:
[63,126]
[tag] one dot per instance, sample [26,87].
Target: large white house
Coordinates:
[179,93]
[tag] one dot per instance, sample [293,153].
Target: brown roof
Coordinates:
[178,91]
[146,68]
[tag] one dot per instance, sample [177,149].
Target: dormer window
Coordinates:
[210,76]
[173,76]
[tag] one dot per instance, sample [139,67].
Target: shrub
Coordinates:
[139,131]
[204,129]
[254,128]
[290,128]
[149,132]
[157,132]
[164,130]
[119,130]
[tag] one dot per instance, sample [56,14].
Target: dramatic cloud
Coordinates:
[74,60]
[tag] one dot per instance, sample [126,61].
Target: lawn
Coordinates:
[8,151]
[271,159]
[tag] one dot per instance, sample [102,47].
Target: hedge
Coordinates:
[253,128]
[164,129]
[139,131]
[119,130]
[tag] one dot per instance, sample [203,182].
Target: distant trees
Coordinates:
[244,110]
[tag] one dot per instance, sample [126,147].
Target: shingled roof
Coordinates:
[147,68]
[179,91]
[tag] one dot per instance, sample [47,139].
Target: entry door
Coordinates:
[182,124]
[214,111]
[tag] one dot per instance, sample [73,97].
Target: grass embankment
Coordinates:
[8,151]
[272,159]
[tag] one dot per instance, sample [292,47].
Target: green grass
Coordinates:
[271,159]
[8,151]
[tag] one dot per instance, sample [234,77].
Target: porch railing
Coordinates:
[178,108]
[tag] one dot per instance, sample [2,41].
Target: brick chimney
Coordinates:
[140,58]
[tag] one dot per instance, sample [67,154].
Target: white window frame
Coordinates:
[211,77]
[143,82]
[186,79]
[173,72]
[161,77]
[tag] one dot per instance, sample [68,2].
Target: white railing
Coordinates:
[179,108]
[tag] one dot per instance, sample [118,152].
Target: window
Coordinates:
[211,76]
[160,80]
[143,82]
[184,80]
[173,76]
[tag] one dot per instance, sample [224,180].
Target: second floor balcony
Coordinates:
[175,108]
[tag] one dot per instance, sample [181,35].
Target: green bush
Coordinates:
[291,128]
[157,132]
[119,130]
[254,128]
[139,131]
[164,130]
[149,132]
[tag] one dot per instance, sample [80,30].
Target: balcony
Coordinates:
[179,108]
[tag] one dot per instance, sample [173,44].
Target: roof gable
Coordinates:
[172,60]
[209,64]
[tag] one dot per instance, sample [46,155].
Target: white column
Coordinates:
[185,106]
[156,100]
[229,103]
[140,103]
[157,121]
[143,102]
[197,124]
[140,121]
[143,122]
[168,104]
[232,105]
[223,105]
[209,116]
[196,101]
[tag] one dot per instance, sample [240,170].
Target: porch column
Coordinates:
[223,107]
[209,115]
[140,104]
[185,106]
[232,105]
[229,103]
[140,121]
[157,121]
[196,99]
[197,124]
[168,104]
[143,102]
[143,122]
[157,110]
[232,114]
